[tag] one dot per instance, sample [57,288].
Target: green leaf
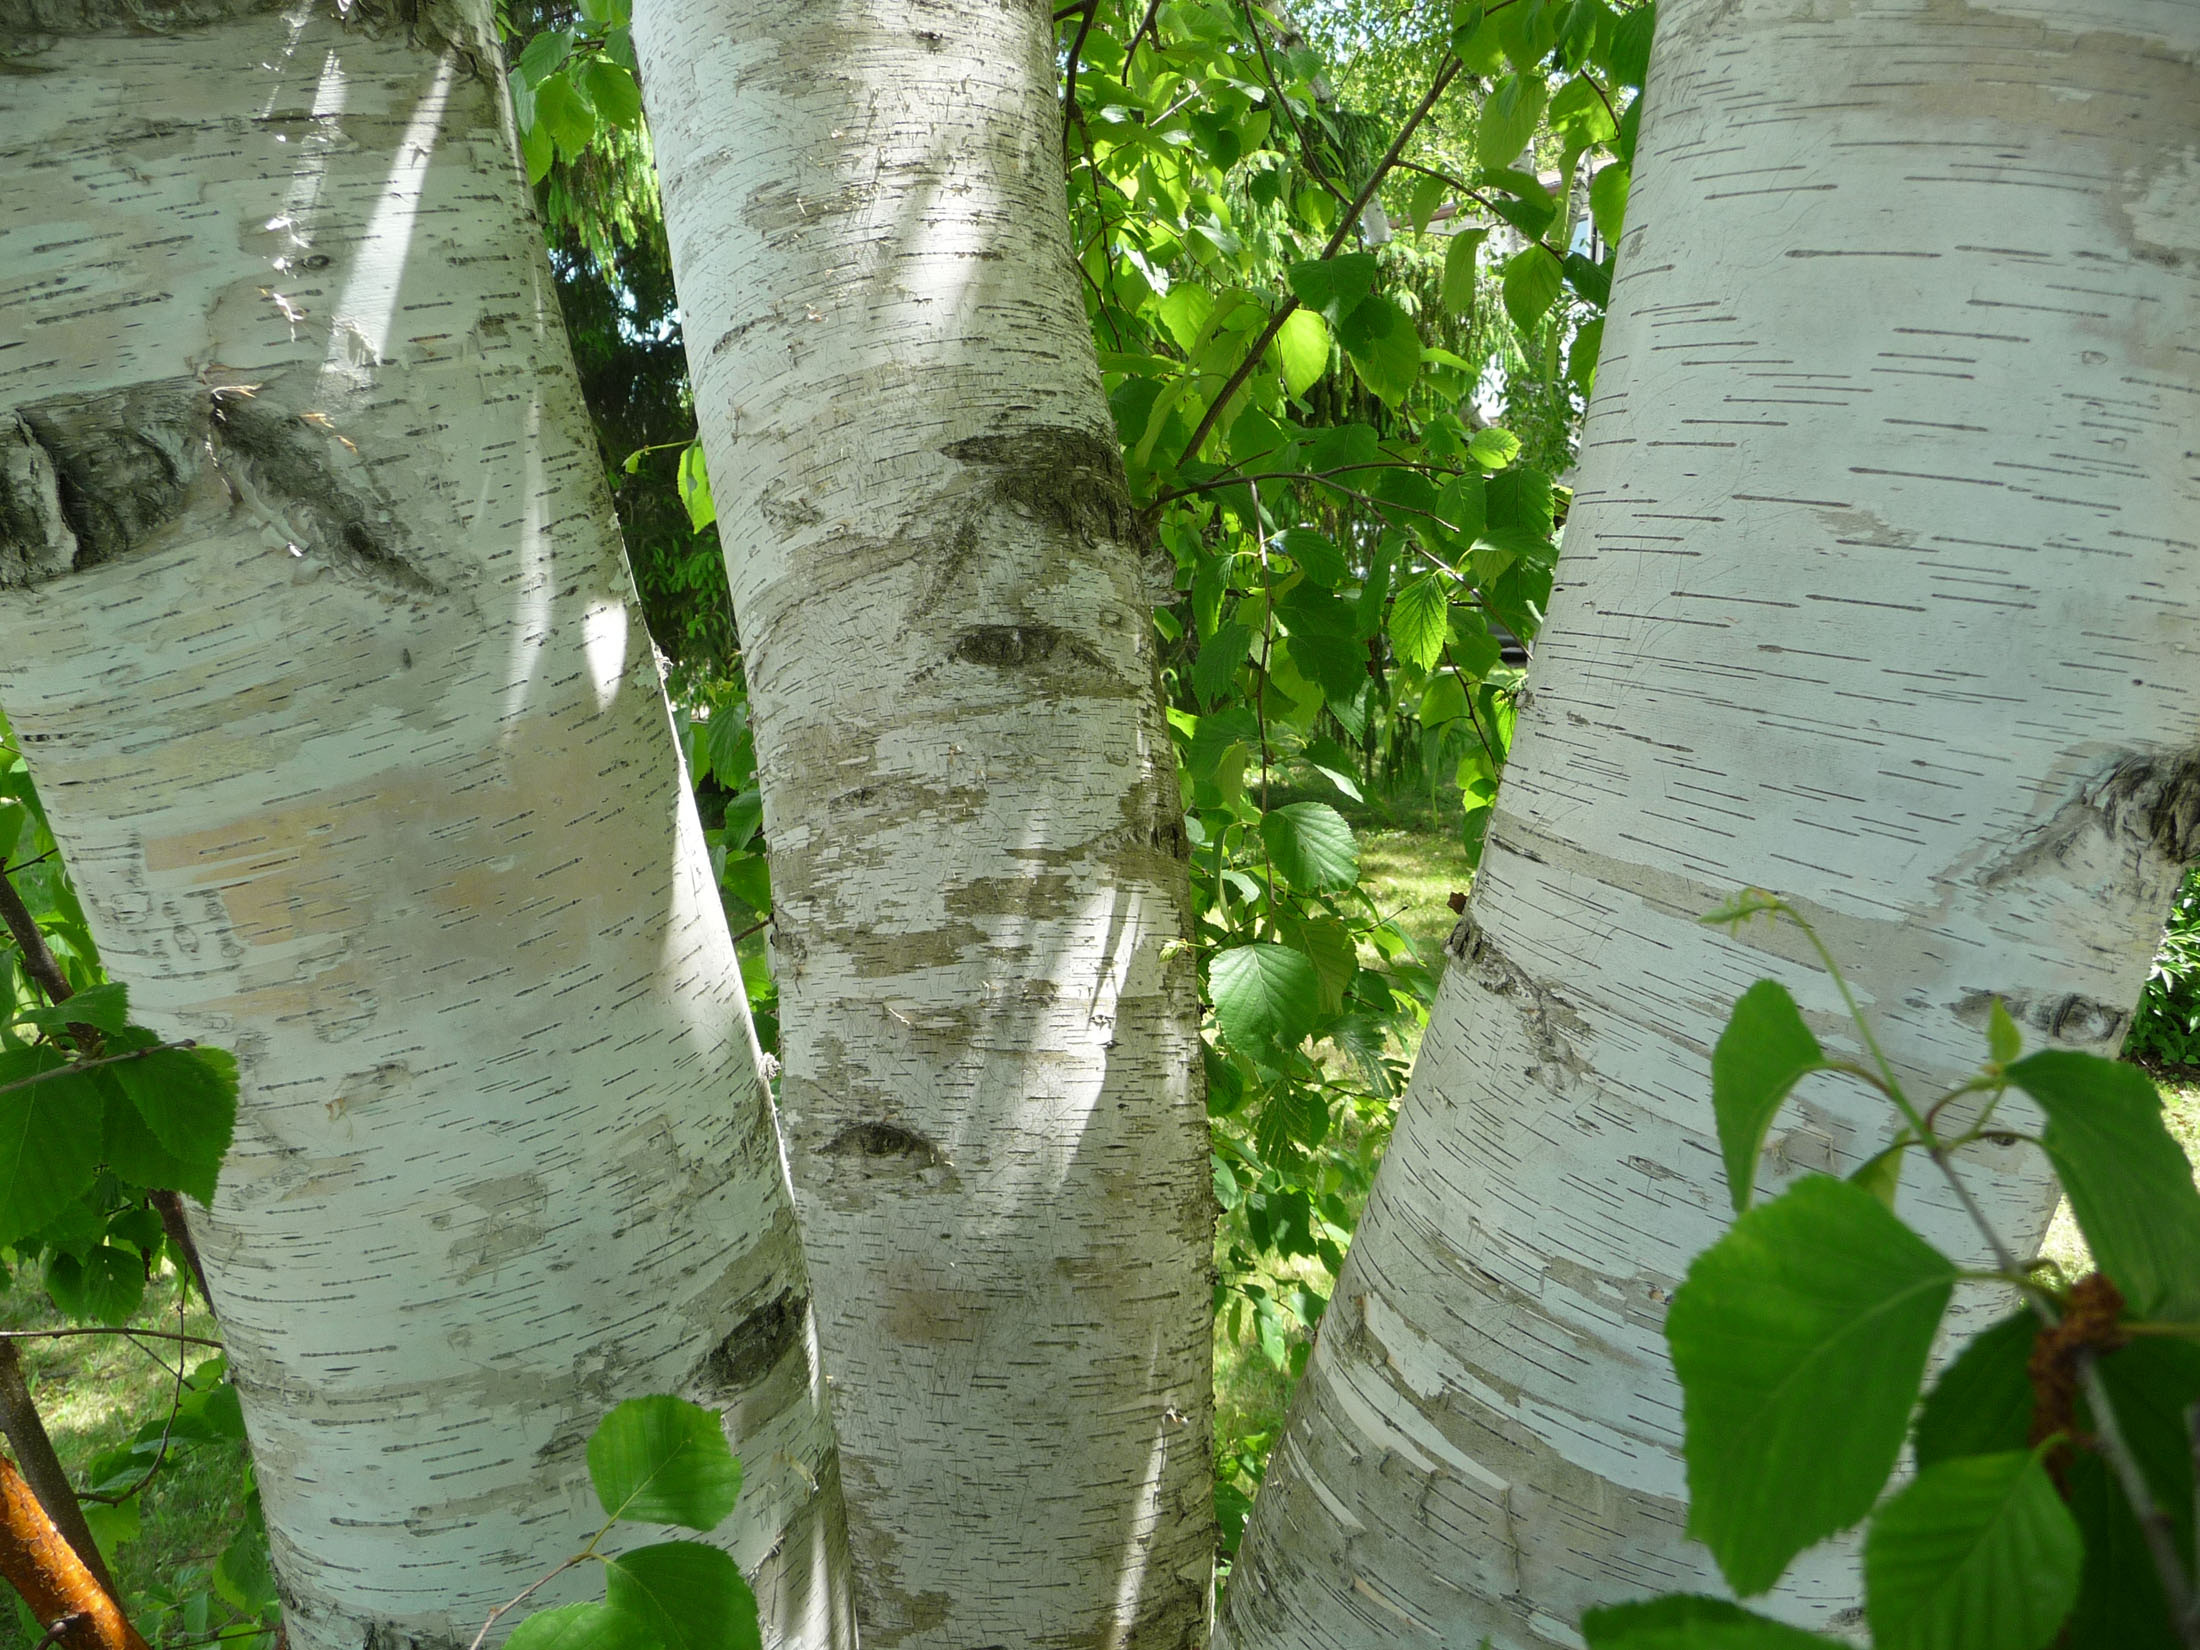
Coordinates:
[1459,270]
[1333,285]
[1311,846]
[1420,621]
[611,92]
[49,1139]
[2127,1179]
[1444,701]
[1982,1403]
[1532,281]
[1428,195]
[1979,1553]
[1764,1051]
[1509,119]
[1217,665]
[1384,347]
[1881,1175]
[545,52]
[1688,1622]
[694,482]
[561,111]
[133,1151]
[1266,996]
[187,1096]
[1800,1339]
[243,1575]
[102,1007]
[1323,561]
[1628,56]
[1608,202]
[583,1627]
[1330,946]
[536,148]
[1302,350]
[663,1460]
[1492,449]
[104,1287]
[689,1596]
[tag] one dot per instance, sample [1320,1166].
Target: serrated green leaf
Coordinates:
[1332,286]
[536,149]
[1493,449]
[1982,1403]
[1627,54]
[187,1096]
[1686,1621]
[691,1597]
[1217,665]
[1764,1052]
[593,1626]
[1444,701]
[2128,1181]
[1266,996]
[1427,195]
[1420,621]
[1459,270]
[49,1139]
[611,92]
[1800,1339]
[663,1460]
[1331,947]
[1509,119]
[104,1287]
[561,111]
[102,1007]
[2004,1042]
[1384,348]
[132,1150]
[1978,1553]
[694,483]
[243,1575]
[542,54]
[1323,561]
[1531,284]
[1311,846]
[1302,350]
[1608,201]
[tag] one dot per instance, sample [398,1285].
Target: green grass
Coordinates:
[94,1392]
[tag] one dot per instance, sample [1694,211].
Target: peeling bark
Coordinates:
[1879,590]
[993,1117]
[320,645]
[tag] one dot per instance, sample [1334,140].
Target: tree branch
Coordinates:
[1444,78]
[62,1592]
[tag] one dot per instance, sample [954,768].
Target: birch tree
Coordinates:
[1878,591]
[989,1030]
[318,639]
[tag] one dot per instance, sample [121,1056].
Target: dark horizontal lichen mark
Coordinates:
[883,1140]
[756,1346]
[124,462]
[1070,479]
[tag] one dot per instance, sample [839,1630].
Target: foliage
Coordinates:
[2166,1027]
[2053,1501]
[659,1460]
[97,1116]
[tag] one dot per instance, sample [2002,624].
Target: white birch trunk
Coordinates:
[998,1145]
[1881,591]
[319,640]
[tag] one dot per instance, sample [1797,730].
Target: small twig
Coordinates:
[2154,1524]
[1444,78]
[126,1333]
[1131,51]
[75,1066]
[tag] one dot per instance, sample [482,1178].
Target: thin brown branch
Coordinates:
[1444,78]
[75,1066]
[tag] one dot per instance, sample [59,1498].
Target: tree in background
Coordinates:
[1877,591]
[319,642]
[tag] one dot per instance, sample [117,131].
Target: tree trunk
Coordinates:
[318,642]
[1880,591]
[997,1138]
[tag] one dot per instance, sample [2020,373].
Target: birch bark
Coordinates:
[998,1147]
[1879,590]
[317,635]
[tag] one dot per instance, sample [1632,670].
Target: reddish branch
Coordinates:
[76,1611]
[2091,1323]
